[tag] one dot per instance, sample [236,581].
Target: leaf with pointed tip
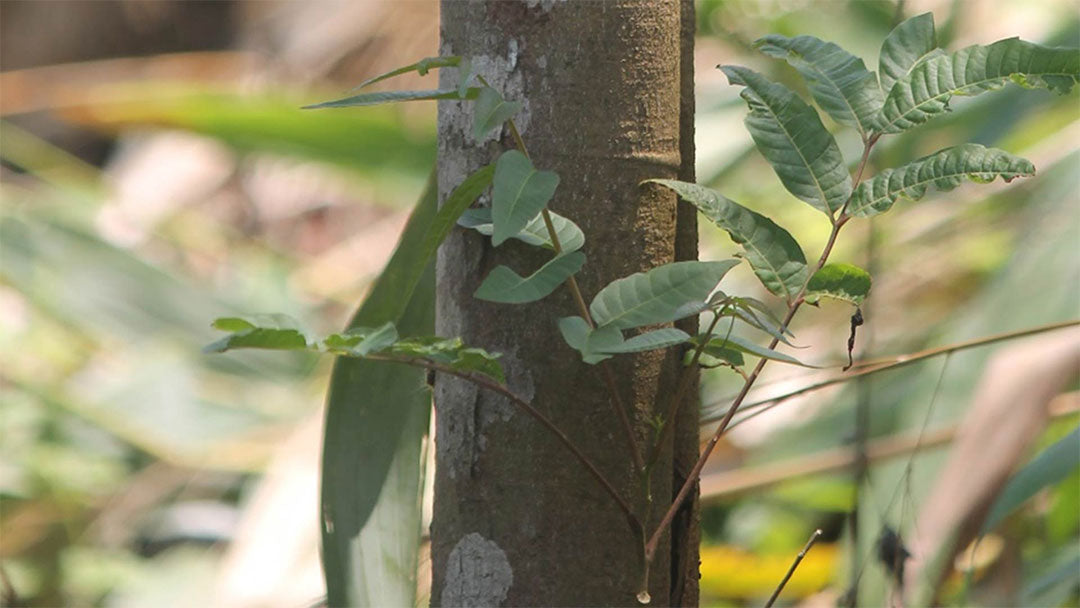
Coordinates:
[776,258]
[519,194]
[944,169]
[535,233]
[790,135]
[666,293]
[840,281]
[451,352]
[926,91]
[715,345]
[838,80]
[361,341]
[491,111]
[748,316]
[272,331]
[420,67]
[717,356]
[652,340]
[909,43]
[374,99]
[508,287]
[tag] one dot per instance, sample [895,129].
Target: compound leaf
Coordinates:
[840,281]
[773,253]
[944,169]
[838,80]
[508,287]
[666,293]
[925,92]
[909,43]
[790,135]
[519,194]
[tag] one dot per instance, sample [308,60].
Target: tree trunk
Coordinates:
[517,521]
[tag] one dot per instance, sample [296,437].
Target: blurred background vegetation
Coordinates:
[157,173]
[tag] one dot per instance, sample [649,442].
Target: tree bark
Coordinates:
[517,521]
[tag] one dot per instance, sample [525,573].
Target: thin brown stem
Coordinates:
[685,379]
[798,560]
[491,385]
[583,309]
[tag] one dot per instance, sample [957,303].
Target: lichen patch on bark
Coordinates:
[477,573]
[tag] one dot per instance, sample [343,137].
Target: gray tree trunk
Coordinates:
[608,94]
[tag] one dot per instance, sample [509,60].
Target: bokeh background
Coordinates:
[156,173]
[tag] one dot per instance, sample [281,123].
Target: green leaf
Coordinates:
[372,438]
[944,169]
[451,211]
[716,357]
[491,111]
[420,67]
[840,281]
[790,136]
[506,286]
[748,316]
[535,233]
[273,331]
[909,43]
[715,347]
[838,80]
[773,253]
[519,194]
[926,91]
[362,341]
[666,293]
[652,340]
[451,352]
[1053,465]
[373,99]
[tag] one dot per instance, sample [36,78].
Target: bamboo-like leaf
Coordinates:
[374,99]
[1052,466]
[772,252]
[535,233]
[666,293]
[748,316]
[716,345]
[944,170]
[926,91]
[790,135]
[838,80]
[506,286]
[909,43]
[840,281]
[491,111]
[519,194]
[271,331]
[420,67]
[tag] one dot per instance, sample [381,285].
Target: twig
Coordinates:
[798,559]
[491,385]
[575,292]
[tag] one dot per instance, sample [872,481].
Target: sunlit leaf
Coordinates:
[519,194]
[374,99]
[790,135]
[535,233]
[1053,465]
[944,170]
[506,286]
[361,341]
[491,111]
[420,67]
[909,43]
[838,80]
[840,281]
[926,91]
[666,293]
[272,331]
[772,252]
[450,352]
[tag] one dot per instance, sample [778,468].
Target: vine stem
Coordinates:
[798,560]
[793,307]
[491,385]
[575,292]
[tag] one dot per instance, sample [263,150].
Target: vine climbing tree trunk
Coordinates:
[607,89]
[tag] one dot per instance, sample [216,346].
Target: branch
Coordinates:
[798,559]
